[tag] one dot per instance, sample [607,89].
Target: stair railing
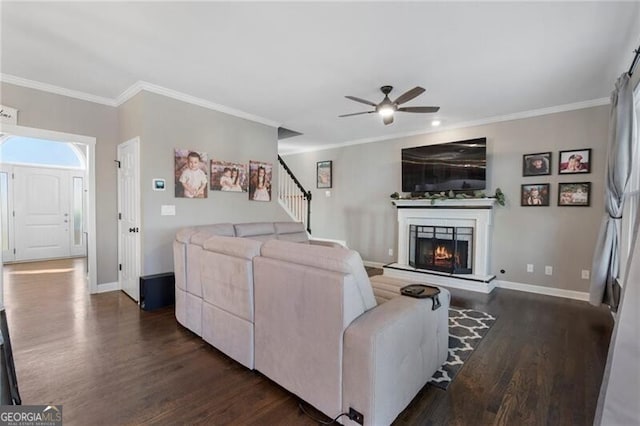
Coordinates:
[292,195]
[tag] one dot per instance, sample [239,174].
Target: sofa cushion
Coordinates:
[237,247]
[184,234]
[288,227]
[257,229]
[205,232]
[330,258]
[291,231]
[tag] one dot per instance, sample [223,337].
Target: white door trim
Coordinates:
[90,142]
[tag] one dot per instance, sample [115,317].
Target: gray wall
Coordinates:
[359,208]
[164,124]
[60,113]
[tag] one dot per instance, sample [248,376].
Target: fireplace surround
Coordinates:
[472,222]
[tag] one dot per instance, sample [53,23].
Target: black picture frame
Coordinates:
[538,164]
[324,174]
[575,161]
[539,199]
[574,194]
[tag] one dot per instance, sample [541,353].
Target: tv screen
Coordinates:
[457,166]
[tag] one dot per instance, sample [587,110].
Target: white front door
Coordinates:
[129,218]
[43,213]
[42,218]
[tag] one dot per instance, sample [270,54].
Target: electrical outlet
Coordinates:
[529,267]
[390,252]
[356,416]
[548,270]
[585,274]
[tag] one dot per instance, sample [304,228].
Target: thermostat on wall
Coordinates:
[159,185]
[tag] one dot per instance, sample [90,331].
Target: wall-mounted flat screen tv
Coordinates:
[457,166]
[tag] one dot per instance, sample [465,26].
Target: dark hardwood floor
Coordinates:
[108,362]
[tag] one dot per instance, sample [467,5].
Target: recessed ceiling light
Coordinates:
[435,123]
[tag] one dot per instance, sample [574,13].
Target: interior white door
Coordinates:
[129,218]
[41,204]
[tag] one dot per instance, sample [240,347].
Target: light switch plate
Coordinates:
[167,210]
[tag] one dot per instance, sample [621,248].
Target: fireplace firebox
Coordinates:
[441,248]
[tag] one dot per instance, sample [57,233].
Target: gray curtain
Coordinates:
[606,261]
[619,401]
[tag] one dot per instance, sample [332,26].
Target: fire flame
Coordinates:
[442,253]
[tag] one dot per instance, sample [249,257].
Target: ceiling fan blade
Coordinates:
[420,109]
[362,101]
[387,120]
[407,96]
[356,113]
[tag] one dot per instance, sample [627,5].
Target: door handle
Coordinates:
[131,230]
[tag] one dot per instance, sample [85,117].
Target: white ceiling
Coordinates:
[293,63]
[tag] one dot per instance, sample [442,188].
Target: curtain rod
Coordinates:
[635,61]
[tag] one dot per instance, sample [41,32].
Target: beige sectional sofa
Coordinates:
[306,316]
[214,280]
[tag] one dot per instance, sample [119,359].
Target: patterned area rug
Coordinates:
[466,329]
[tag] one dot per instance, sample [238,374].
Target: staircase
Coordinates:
[292,196]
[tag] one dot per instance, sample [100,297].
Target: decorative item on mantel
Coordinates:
[499,196]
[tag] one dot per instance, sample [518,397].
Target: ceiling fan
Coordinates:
[387,107]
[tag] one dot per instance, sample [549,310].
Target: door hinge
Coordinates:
[119,216]
[14,213]
[14,251]
[13,176]
[120,266]
[117,162]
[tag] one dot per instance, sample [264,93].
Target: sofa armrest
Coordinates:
[390,353]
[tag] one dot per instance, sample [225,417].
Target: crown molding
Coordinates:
[133,90]
[174,94]
[45,87]
[473,123]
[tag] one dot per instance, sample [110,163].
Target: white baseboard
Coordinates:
[548,291]
[372,264]
[106,287]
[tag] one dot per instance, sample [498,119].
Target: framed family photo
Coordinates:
[228,176]
[324,174]
[260,175]
[574,194]
[190,171]
[535,195]
[536,164]
[576,161]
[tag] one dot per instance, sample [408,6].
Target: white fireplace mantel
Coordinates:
[470,212]
[449,202]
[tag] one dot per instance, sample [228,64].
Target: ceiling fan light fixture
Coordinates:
[386,111]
